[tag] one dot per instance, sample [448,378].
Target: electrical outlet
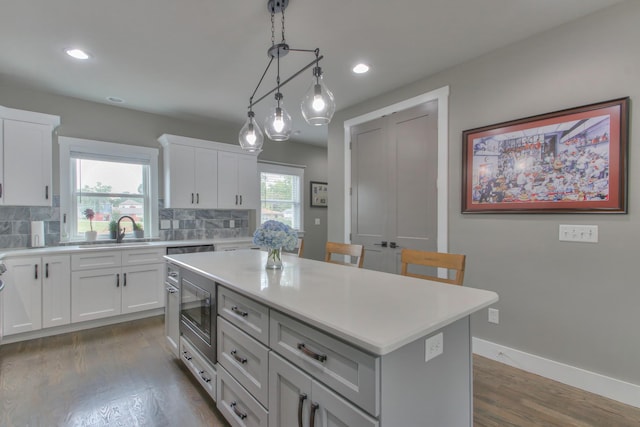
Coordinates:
[578,233]
[433,346]
[165,224]
[232,223]
[494,315]
[317,221]
[176,224]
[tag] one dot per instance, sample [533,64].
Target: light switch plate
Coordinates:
[578,233]
[232,223]
[176,223]
[317,221]
[165,224]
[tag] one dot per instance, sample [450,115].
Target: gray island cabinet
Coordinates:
[318,344]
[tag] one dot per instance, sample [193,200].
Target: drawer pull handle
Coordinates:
[171,290]
[234,406]
[312,416]
[301,400]
[239,312]
[173,274]
[186,355]
[312,354]
[205,379]
[240,359]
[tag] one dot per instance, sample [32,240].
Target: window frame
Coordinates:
[105,151]
[282,169]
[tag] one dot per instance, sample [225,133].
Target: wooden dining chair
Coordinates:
[300,247]
[354,251]
[453,262]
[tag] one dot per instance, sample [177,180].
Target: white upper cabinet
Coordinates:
[190,177]
[201,174]
[237,181]
[26,157]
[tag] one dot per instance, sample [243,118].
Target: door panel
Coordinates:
[394,167]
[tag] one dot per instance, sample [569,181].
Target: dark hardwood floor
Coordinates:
[124,375]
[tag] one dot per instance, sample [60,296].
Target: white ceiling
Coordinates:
[201,59]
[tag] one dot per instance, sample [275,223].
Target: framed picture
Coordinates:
[319,194]
[568,161]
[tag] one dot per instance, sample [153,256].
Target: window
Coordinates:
[113,180]
[281,194]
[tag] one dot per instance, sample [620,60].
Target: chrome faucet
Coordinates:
[121,232]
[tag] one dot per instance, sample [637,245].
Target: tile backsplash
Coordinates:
[15,224]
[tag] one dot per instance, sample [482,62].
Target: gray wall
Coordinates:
[83,119]
[569,302]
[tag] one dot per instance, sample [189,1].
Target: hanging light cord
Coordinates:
[315,62]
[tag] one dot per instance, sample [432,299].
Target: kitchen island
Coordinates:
[345,345]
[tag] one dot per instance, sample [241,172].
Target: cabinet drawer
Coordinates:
[236,405]
[201,370]
[95,259]
[347,370]
[248,315]
[142,256]
[245,358]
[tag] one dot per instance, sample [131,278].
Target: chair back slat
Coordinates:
[454,262]
[344,249]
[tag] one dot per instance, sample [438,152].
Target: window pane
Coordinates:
[280,198]
[111,190]
[108,177]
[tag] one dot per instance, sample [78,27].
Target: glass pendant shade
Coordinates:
[278,124]
[318,104]
[251,137]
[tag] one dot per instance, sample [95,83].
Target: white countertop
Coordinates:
[110,245]
[378,312]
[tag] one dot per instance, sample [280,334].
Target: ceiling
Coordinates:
[201,59]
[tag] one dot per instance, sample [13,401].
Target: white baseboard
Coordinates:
[611,388]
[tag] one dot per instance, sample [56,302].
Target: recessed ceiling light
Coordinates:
[361,68]
[115,99]
[77,53]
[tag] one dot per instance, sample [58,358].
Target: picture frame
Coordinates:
[319,194]
[569,161]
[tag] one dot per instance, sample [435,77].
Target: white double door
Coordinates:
[394,169]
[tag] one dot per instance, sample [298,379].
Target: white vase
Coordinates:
[90,236]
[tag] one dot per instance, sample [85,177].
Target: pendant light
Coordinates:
[317,106]
[251,137]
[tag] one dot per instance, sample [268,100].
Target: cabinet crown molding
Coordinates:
[167,139]
[29,116]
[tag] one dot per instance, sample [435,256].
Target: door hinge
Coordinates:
[350,145]
[351,191]
[350,238]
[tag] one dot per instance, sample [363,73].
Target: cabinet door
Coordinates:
[22,311]
[206,178]
[95,294]
[180,192]
[331,410]
[248,182]
[142,287]
[228,197]
[172,318]
[27,164]
[289,393]
[56,291]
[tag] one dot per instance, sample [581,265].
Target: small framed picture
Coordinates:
[319,194]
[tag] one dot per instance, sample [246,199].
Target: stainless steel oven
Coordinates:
[198,312]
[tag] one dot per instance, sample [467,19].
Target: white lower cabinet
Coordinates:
[296,399]
[133,281]
[36,294]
